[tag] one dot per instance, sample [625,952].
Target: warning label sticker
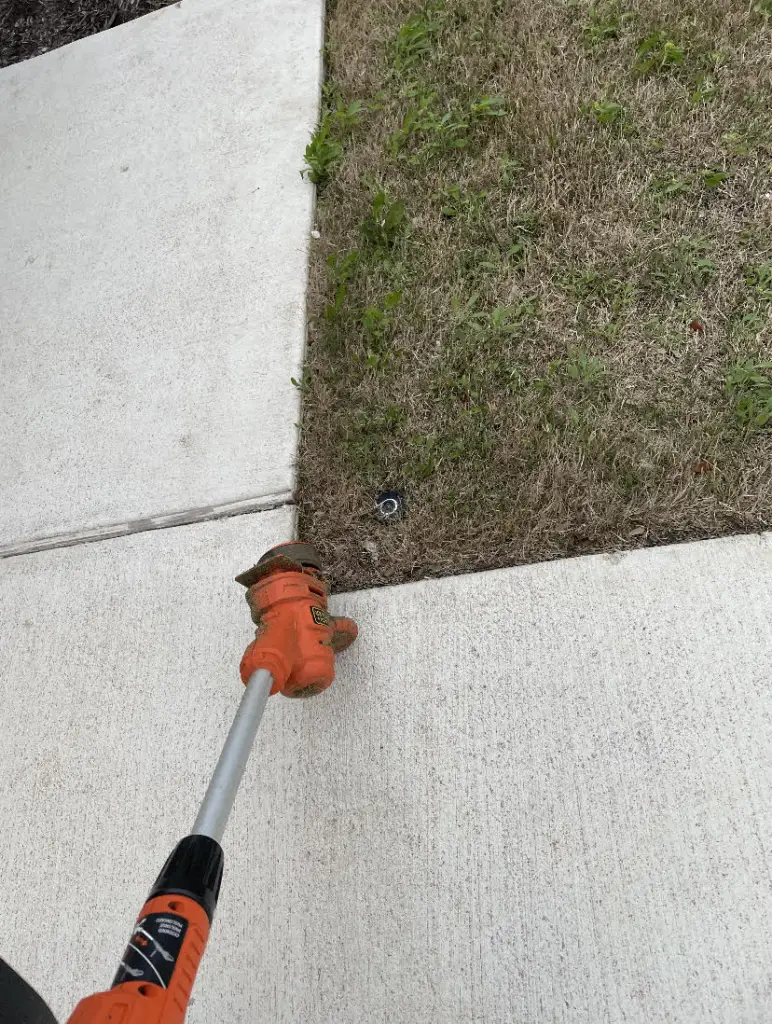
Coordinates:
[153,950]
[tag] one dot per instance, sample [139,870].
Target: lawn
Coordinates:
[541,293]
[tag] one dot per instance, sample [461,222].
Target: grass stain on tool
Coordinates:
[293,653]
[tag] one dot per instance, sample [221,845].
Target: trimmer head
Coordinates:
[297,552]
[296,638]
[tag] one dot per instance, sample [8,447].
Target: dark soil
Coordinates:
[31,27]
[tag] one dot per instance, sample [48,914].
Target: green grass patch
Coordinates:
[540,303]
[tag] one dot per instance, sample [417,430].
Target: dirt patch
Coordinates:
[31,27]
[540,303]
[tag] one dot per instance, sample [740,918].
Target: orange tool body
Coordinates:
[293,653]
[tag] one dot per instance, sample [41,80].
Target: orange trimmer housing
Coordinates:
[296,638]
[143,1002]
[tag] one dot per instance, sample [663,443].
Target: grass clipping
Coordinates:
[541,297]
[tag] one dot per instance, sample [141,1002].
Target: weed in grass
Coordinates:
[376,320]
[426,129]
[592,287]
[516,256]
[504,320]
[607,332]
[427,462]
[753,236]
[456,382]
[580,366]
[585,284]
[340,270]
[488,106]
[325,149]
[759,278]
[416,39]
[658,53]
[525,227]
[692,262]
[607,112]
[680,269]
[434,132]
[375,360]
[737,143]
[445,133]
[417,118]
[393,415]
[466,314]
[427,453]
[385,222]
[364,432]
[451,200]
[671,185]
[455,202]
[341,267]
[703,270]
[527,310]
[604,23]
[711,60]
[334,309]
[346,116]
[510,171]
[481,263]
[749,387]
[749,324]
[704,90]
[712,178]
[322,153]
[763,7]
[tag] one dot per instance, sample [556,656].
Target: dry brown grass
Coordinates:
[538,390]
[31,27]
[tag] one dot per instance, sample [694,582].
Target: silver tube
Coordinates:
[216,805]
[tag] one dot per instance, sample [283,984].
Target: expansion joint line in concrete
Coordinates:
[267,503]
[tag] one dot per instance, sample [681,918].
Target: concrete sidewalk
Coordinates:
[155,233]
[534,795]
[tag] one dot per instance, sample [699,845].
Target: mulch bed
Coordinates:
[31,27]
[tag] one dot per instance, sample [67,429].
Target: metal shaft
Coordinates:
[218,801]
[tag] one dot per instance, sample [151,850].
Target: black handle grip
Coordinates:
[194,869]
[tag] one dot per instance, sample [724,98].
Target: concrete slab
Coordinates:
[536,795]
[108,741]
[546,798]
[153,267]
